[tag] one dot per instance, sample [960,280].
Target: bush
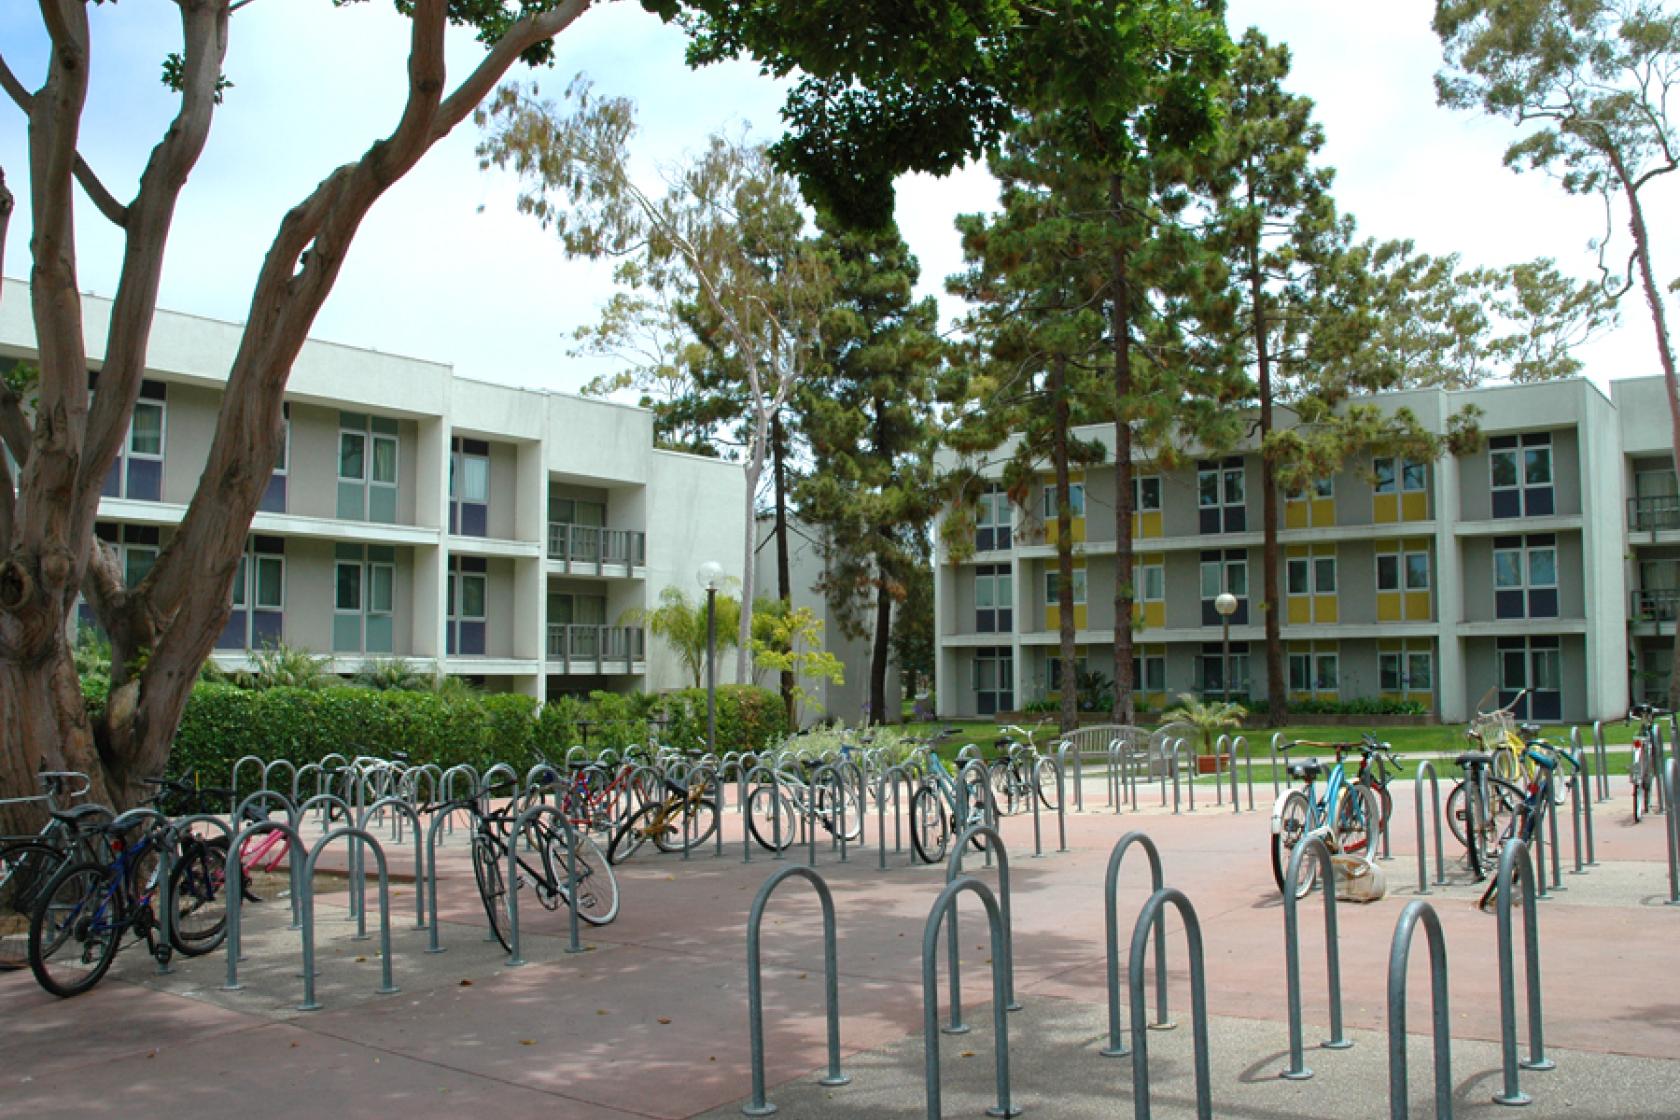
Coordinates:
[1363,706]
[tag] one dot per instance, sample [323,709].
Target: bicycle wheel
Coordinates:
[766,813]
[695,824]
[74,930]
[1353,827]
[1636,777]
[25,869]
[198,896]
[1292,827]
[1004,786]
[1458,814]
[1502,820]
[1044,780]
[644,824]
[838,808]
[487,857]
[930,825]
[597,886]
[1506,764]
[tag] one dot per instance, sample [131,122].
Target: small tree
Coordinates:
[788,640]
[681,622]
[1211,718]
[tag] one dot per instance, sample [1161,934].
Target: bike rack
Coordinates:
[236,897]
[446,788]
[294,817]
[540,810]
[402,808]
[1601,750]
[302,772]
[1586,781]
[433,945]
[759,1106]
[354,834]
[1314,847]
[1513,861]
[1078,772]
[1151,915]
[233,777]
[953,869]
[279,764]
[710,778]
[947,902]
[1118,763]
[1117,1047]
[1427,768]
[166,867]
[1039,763]
[775,777]
[841,767]
[1670,777]
[1416,911]
[1657,753]
[826,773]
[983,782]
[1277,740]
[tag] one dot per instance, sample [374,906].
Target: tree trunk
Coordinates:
[1125,593]
[46,727]
[1064,546]
[878,658]
[1277,696]
[784,581]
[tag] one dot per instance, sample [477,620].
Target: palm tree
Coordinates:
[1210,718]
[681,622]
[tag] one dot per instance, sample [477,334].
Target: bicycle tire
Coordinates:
[1505,764]
[1003,786]
[1297,812]
[1498,825]
[77,910]
[1636,778]
[197,896]
[637,829]
[25,869]
[1352,830]
[597,894]
[1457,810]
[930,825]
[1044,781]
[492,886]
[836,804]
[760,804]
[704,815]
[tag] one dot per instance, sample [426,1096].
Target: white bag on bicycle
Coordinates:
[1358,879]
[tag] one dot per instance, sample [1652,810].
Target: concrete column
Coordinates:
[431,510]
[1603,566]
[1449,596]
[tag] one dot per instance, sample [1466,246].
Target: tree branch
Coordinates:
[102,199]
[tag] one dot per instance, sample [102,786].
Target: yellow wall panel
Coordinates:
[1385,507]
[1389,607]
[1414,506]
[1417,606]
[1324,608]
[1080,617]
[1053,617]
[1147,524]
[1295,515]
[1300,610]
[1323,512]
[1154,615]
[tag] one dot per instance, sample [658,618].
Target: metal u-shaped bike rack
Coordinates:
[1426,768]
[1315,848]
[354,835]
[1670,778]
[1151,916]
[512,885]
[1117,1047]
[953,871]
[1514,861]
[1400,949]
[164,906]
[1038,765]
[297,854]
[749,789]
[946,902]
[759,1106]
[401,808]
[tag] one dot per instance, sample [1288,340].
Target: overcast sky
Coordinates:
[444,268]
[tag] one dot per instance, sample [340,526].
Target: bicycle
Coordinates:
[596,897]
[1013,778]
[1642,767]
[1337,816]
[1533,803]
[939,803]
[683,819]
[774,811]
[88,907]
[28,862]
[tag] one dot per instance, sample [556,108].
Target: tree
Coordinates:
[882,94]
[724,239]
[912,628]
[682,623]
[787,640]
[1588,82]
[868,416]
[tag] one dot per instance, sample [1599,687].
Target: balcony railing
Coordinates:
[1650,515]
[595,649]
[589,547]
[1656,604]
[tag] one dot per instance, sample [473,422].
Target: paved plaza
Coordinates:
[651,1019]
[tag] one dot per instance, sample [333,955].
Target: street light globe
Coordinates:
[710,575]
[1226,604]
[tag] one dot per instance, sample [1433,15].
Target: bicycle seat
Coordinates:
[1529,729]
[1474,758]
[677,788]
[1306,770]
[75,815]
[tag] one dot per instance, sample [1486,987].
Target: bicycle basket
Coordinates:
[1493,728]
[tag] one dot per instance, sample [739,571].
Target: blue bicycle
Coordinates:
[1337,815]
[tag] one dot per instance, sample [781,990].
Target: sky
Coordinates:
[446,269]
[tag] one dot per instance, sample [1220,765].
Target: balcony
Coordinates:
[595,649]
[1661,604]
[586,549]
[1654,514]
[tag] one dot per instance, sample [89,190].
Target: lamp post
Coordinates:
[710,576]
[1226,606]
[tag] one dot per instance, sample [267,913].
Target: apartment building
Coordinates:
[1546,561]
[510,536]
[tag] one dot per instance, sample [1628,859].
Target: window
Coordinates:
[1300,672]
[1417,571]
[1149,673]
[1053,672]
[367,468]
[1393,475]
[274,497]
[137,472]
[994,599]
[1384,480]
[468,587]
[469,487]
[1525,576]
[992,521]
[1052,588]
[1225,570]
[1212,669]
[994,681]
[1403,566]
[1406,671]
[1314,668]
[1306,576]
[1146,493]
[258,595]
[1324,675]
[1076,501]
[364,598]
[1221,494]
[1520,475]
[1152,583]
[1531,675]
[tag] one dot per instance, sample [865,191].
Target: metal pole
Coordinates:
[711,670]
[1225,659]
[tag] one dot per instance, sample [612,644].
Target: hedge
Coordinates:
[224,722]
